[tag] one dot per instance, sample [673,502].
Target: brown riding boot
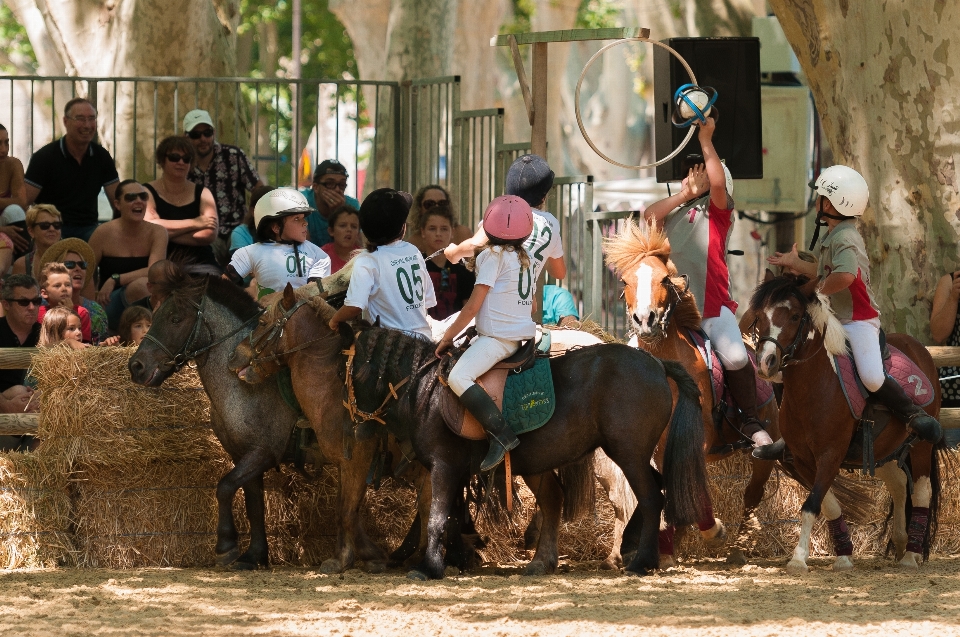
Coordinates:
[742,384]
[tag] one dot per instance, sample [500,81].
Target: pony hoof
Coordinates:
[451,571]
[640,571]
[374,567]
[330,566]
[242,565]
[796,567]
[716,541]
[535,568]
[610,564]
[228,558]
[736,557]
[417,576]
[667,561]
[910,560]
[843,563]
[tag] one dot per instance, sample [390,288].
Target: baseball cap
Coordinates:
[196,117]
[329,167]
[529,178]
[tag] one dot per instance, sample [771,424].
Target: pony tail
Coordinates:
[523,256]
[371,247]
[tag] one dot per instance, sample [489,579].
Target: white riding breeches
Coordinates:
[864,337]
[484,352]
[724,333]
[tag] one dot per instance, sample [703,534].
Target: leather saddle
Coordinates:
[461,421]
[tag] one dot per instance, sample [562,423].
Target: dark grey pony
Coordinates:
[204,320]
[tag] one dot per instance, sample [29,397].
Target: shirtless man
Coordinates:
[13,195]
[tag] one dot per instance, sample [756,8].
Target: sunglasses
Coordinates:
[430,204]
[75,264]
[46,225]
[142,196]
[177,157]
[334,185]
[27,302]
[197,134]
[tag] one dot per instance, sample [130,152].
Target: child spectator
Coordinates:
[388,280]
[345,229]
[56,288]
[134,323]
[282,253]
[452,282]
[61,325]
[501,302]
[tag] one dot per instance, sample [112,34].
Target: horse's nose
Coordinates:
[136,368]
[769,361]
[651,319]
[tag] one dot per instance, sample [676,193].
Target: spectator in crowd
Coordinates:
[61,325]
[134,323]
[55,289]
[430,199]
[124,249]
[225,171]
[185,209]
[945,329]
[452,282]
[13,196]
[158,275]
[245,234]
[21,300]
[326,195]
[70,171]
[282,253]
[558,304]
[78,257]
[345,230]
[44,225]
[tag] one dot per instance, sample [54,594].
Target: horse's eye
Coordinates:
[795,318]
[175,320]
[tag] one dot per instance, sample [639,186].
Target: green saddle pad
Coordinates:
[528,398]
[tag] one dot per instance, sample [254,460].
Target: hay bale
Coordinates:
[35,524]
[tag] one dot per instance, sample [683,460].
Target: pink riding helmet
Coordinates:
[508,218]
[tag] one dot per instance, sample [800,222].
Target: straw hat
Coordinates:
[58,250]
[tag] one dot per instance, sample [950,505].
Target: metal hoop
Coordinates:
[576,104]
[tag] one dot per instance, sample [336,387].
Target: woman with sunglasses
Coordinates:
[430,199]
[125,248]
[43,225]
[186,210]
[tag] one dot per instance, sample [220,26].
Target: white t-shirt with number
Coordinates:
[275,264]
[392,284]
[544,242]
[506,310]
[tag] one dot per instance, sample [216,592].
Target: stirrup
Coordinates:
[925,426]
[770,452]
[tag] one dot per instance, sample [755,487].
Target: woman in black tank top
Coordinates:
[186,210]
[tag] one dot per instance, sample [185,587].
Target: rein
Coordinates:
[184,355]
[272,337]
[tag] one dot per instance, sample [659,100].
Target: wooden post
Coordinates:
[538,137]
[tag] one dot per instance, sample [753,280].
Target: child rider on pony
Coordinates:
[698,221]
[844,273]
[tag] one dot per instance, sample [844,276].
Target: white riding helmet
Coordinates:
[279,203]
[845,188]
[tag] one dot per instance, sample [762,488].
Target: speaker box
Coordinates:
[732,67]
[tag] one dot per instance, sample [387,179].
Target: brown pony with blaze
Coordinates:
[661,310]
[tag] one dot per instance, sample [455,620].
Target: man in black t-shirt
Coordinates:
[20,297]
[69,172]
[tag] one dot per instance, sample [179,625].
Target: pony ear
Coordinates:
[346,334]
[768,275]
[289,298]
[809,288]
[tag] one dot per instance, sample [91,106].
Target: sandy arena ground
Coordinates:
[705,599]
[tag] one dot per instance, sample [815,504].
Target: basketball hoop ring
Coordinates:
[576,104]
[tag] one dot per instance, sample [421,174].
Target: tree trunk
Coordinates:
[881,77]
[146,38]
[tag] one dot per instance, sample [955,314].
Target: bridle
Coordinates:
[678,295]
[272,337]
[185,354]
[785,355]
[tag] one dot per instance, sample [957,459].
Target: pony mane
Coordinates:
[635,242]
[309,292]
[786,287]
[183,290]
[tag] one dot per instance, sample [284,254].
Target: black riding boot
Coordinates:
[502,438]
[918,421]
[742,384]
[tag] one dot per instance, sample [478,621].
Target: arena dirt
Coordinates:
[705,599]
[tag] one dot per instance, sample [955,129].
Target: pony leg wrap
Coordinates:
[706,522]
[842,544]
[665,540]
[919,519]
